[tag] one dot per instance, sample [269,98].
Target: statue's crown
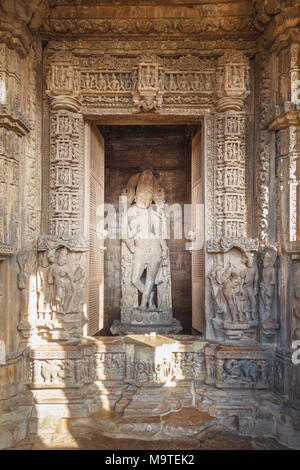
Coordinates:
[146,182]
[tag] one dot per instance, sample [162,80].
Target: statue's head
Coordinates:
[143,199]
[145,190]
[61,256]
[44,261]
[270,257]
[249,260]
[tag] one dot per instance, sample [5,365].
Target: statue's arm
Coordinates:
[131,232]
[162,233]
[50,276]
[129,242]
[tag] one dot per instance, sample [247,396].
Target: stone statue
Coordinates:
[146,276]
[61,276]
[43,288]
[145,243]
[234,293]
[268,283]
[216,278]
[27,261]
[249,274]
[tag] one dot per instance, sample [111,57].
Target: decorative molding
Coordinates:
[135,26]
[222,244]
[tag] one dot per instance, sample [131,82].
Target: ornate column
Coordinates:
[61,271]
[232,89]
[233,276]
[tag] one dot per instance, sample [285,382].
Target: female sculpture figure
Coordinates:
[61,276]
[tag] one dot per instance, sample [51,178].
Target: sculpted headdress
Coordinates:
[147,182]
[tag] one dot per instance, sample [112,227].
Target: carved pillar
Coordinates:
[61,269]
[231,212]
[66,142]
[233,273]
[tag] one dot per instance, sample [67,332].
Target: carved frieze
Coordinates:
[185,26]
[189,365]
[180,366]
[56,368]
[242,369]
[146,82]
[109,365]
[217,245]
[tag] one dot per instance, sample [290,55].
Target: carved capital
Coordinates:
[63,82]
[232,81]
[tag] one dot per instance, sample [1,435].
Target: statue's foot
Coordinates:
[153,308]
[142,308]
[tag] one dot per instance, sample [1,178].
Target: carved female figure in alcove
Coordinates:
[61,276]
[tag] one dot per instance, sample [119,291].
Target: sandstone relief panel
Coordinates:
[61,282]
[52,290]
[234,288]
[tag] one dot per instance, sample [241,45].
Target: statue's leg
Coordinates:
[138,267]
[152,271]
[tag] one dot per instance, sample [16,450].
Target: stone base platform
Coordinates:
[179,431]
[121,329]
[163,390]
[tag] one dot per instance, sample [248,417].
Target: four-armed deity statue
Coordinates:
[146,277]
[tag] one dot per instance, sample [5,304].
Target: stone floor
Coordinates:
[209,440]
[181,431]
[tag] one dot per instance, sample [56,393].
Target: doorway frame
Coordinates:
[154,119]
